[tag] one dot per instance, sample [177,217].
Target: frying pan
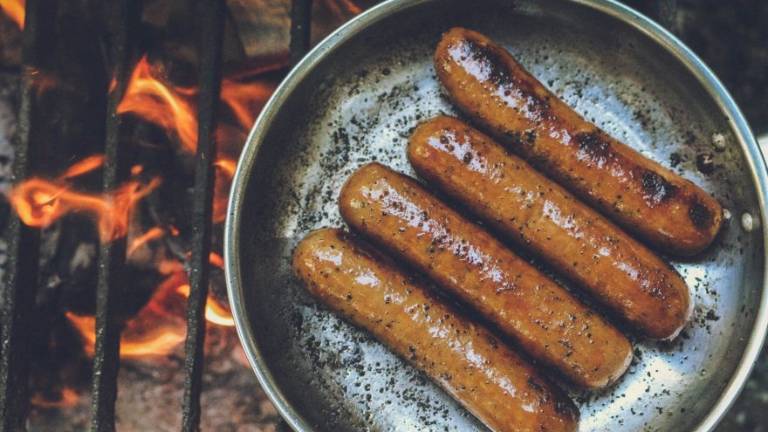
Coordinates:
[356,97]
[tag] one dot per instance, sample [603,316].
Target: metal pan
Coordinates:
[356,97]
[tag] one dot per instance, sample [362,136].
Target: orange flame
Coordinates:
[164,313]
[67,398]
[153,233]
[158,328]
[245,99]
[343,9]
[15,9]
[228,166]
[161,340]
[151,99]
[214,312]
[169,107]
[39,203]
[91,163]
[222,183]
[154,331]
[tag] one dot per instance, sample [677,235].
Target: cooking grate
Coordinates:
[17,317]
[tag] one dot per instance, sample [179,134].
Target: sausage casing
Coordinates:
[546,320]
[544,218]
[486,82]
[495,384]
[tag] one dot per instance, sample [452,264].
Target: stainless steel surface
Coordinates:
[355,99]
[763,141]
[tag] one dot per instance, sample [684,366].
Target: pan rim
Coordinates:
[639,22]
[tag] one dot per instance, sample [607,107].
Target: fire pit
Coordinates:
[123,128]
[120,126]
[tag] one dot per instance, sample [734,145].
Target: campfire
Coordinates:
[41,202]
[147,210]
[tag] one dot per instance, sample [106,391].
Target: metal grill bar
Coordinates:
[23,246]
[21,282]
[301,29]
[121,18]
[212,14]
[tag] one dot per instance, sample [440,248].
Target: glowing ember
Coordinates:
[216,260]
[39,203]
[136,170]
[15,10]
[112,84]
[67,398]
[43,81]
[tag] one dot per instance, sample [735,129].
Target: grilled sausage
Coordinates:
[543,217]
[487,378]
[486,82]
[546,321]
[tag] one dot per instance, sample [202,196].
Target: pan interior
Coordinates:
[360,103]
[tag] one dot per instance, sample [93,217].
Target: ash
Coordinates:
[150,393]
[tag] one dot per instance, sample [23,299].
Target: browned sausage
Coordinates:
[498,387]
[547,322]
[484,81]
[543,217]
